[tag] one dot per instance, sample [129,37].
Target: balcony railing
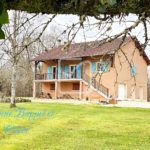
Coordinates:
[52,76]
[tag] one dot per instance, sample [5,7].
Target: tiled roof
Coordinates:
[82,50]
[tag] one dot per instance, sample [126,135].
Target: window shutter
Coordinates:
[52,86]
[48,72]
[105,63]
[66,71]
[76,86]
[78,71]
[133,71]
[93,67]
[59,72]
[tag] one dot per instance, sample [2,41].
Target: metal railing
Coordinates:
[96,84]
[65,75]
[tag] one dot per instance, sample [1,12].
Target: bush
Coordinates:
[2,96]
[17,100]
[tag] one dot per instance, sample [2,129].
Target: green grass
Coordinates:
[75,127]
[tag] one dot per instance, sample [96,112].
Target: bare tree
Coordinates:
[25,67]
[21,28]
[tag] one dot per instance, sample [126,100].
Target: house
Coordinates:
[73,71]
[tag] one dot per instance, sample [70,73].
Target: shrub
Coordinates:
[87,98]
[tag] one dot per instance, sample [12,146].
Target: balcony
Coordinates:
[53,76]
[73,76]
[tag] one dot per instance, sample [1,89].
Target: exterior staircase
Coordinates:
[93,84]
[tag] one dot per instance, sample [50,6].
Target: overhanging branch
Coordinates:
[79,7]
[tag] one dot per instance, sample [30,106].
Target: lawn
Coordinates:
[77,127]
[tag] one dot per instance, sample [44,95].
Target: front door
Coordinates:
[121,91]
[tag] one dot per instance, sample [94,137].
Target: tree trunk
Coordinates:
[13,87]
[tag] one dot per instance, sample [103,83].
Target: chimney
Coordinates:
[58,43]
[65,43]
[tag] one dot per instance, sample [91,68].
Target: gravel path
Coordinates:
[139,104]
[67,101]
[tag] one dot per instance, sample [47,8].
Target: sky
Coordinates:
[66,20]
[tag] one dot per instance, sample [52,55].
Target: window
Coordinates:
[53,72]
[73,71]
[99,67]
[52,86]
[76,86]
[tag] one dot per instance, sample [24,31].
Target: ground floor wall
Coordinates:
[63,88]
[123,90]
[131,91]
[66,88]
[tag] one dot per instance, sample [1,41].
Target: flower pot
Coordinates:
[112,102]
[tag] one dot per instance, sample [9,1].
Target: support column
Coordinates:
[81,89]
[36,63]
[34,89]
[56,89]
[56,68]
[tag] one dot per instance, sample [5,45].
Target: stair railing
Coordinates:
[95,84]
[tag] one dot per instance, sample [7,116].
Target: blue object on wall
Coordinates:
[66,71]
[105,63]
[59,72]
[48,72]
[93,67]
[133,71]
[78,71]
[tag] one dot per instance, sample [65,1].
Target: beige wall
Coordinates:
[46,88]
[106,78]
[63,88]
[124,72]
[91,94]
[110,78]
[66,88]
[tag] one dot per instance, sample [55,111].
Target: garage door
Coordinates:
[121,91]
